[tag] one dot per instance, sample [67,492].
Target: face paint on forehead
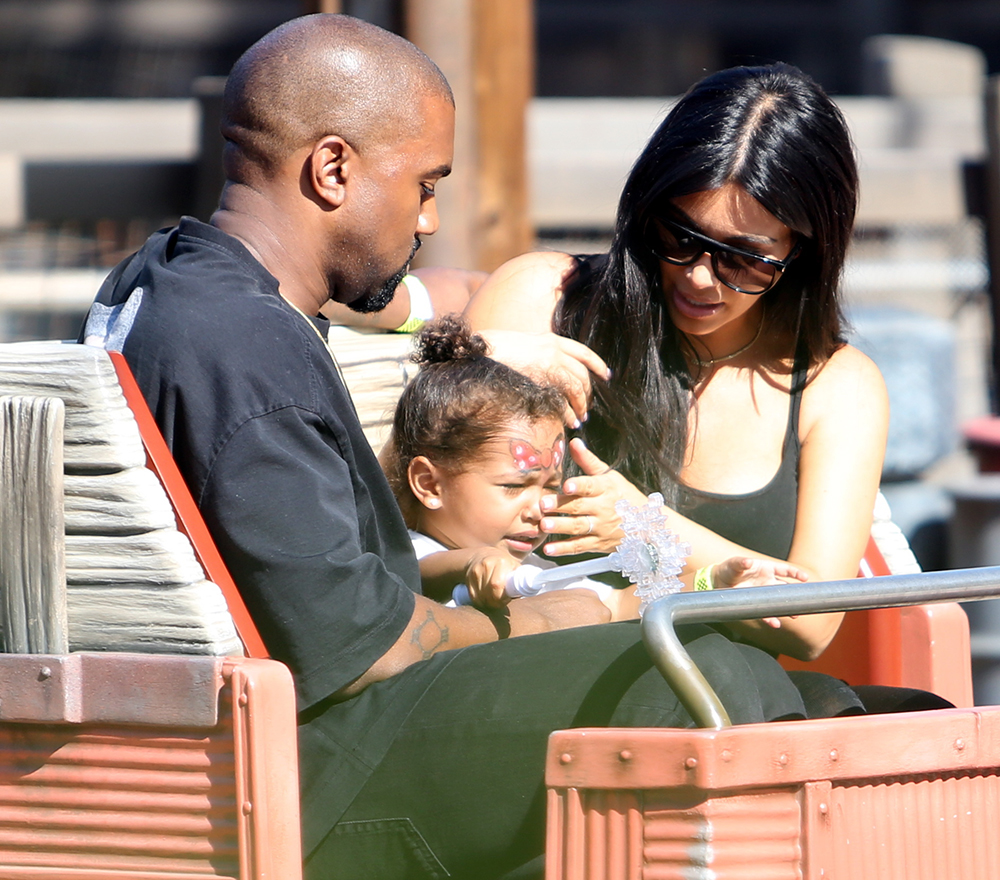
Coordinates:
[527,458]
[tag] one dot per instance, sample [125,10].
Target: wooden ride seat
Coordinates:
[133,582]
[133,766]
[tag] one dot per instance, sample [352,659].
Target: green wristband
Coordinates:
[703,579]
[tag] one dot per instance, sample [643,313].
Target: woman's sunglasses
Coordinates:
[743,271]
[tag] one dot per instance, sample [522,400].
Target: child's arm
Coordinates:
[483,569]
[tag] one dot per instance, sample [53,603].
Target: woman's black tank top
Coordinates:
[763,520]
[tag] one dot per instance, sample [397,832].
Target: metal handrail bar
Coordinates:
[696,694]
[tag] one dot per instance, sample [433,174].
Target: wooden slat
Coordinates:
[32,536]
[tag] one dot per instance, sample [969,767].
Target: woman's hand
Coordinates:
[748,571]
[550,359]
[585,511]
[486,575]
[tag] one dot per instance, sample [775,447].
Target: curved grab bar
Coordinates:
[702,703]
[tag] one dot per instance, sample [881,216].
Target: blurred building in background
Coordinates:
[109,129]
[589,48]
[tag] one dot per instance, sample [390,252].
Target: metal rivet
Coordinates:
[960,744]
[823,809]
[243,700]
[727,755]
[690,763]
[783,760]
[44,673]
[834,755]
[565,758]
[247,808]
[624,755]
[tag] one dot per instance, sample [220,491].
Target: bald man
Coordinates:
[417,760]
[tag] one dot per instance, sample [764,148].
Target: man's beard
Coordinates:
[375,302]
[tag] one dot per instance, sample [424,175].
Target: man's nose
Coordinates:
[428,222]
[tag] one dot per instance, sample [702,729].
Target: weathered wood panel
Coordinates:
[32,534]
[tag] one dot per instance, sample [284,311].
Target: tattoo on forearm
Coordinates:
[430,635]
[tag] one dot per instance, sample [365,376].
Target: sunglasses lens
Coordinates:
[670,244]
[745,273]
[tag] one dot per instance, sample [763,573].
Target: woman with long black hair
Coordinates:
[717,310]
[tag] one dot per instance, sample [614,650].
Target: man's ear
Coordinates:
[330,165]
[425,482]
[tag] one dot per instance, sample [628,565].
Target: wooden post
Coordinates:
[311,6]
[486,49]
[32,530]
[992,203]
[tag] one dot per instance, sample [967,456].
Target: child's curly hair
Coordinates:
[460,400]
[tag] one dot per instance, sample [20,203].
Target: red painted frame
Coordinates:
[189,519]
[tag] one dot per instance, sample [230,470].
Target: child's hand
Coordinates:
[486,575]
[747,571]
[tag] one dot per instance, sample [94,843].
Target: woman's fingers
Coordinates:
[586,356]
[575,545]
[788,571]
[584,534]
[565,363]
[585,511]
[589,463]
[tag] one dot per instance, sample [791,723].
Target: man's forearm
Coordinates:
[434,628]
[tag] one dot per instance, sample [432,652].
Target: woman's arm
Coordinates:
[586,517]
[843,425]
[513,311]
[522,294]
[449,291]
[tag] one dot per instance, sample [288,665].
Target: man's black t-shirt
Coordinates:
[258,419]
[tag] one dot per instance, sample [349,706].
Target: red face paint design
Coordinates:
[527,458]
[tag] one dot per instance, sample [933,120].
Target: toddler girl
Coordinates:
[475,446]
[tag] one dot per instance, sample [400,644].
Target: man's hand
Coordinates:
[553,360]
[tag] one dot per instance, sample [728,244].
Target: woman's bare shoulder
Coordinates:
[848,364]
[847,387]
[522,294]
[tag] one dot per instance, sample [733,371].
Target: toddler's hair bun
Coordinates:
[449,338]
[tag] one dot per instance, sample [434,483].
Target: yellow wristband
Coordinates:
[703,579]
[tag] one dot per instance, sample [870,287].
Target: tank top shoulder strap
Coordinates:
[800,372]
